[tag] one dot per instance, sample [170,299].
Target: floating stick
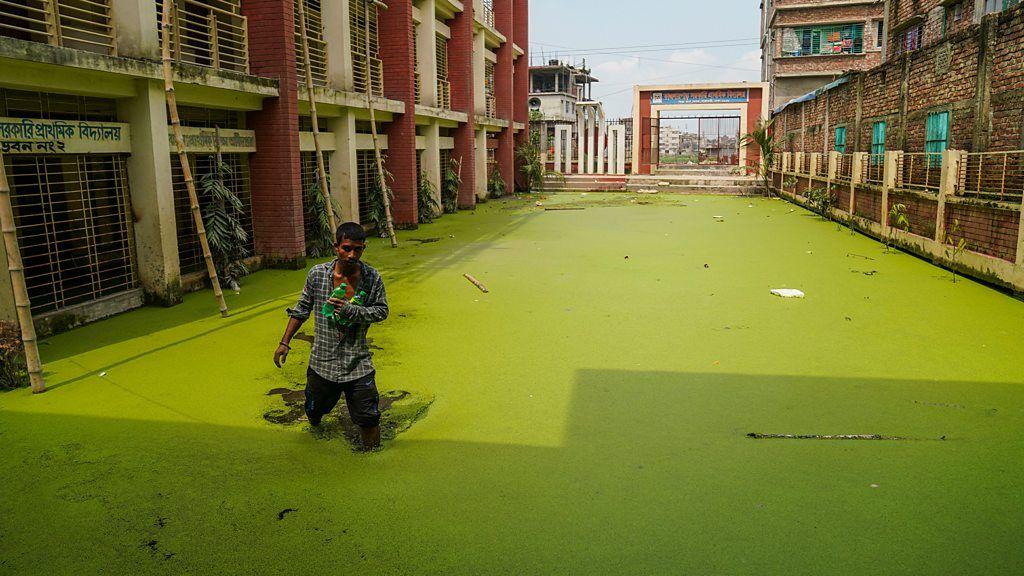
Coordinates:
[477,283]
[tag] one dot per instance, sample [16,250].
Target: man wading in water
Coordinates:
[340,362]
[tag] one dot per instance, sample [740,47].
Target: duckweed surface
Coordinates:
[590,414]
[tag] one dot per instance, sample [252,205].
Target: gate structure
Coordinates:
[696,125]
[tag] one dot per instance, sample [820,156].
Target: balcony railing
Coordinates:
[444,94]
[992,176]
[919,171]
[79,24]
[873,169]
[211,33]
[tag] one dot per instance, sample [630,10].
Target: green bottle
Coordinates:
[329,309]
[358,301]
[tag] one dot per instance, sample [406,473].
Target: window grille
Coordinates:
[367,69]
[491,102]
[209,117]
[315,39]
[73,220]
[488,12]
[446,162]
[821,40]
[46,106]
[444,87]
[418,83]
[366,168]
[909,40]
[79,24]
[419,170]
[879,33]
[311,178]
[210,33]
[190,254]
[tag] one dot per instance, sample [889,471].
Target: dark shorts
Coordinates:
[361,397]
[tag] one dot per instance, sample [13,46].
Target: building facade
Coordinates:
[101,208]
[935,132]
[805,45]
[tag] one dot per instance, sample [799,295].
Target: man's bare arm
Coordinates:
[281,354]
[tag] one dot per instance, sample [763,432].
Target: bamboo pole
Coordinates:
[321,170]
[186,170]
[17,271]
[389,222]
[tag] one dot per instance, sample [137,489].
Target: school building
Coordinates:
[100,205]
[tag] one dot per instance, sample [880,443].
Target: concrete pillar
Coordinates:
[480,164]
[580,140]
[395,32]
[591,144]
[479,72]
[338,36]
[431,158]
[951,160]
[344,176]
[137,36]
[426,48]
[152,194]
[602,136]
[558,147]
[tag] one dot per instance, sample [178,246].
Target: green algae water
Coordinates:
[589,414]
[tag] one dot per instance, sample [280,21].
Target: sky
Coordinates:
[669,42]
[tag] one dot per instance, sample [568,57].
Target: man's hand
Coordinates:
[338,303]
[281,354]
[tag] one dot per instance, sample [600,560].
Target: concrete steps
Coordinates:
[586,182]
[695,184]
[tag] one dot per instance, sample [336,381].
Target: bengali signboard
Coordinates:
[36,136]
[205,140]
[723,96]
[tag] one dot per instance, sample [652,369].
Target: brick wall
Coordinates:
[274,168]
[920,212]
[460,74]
[842,193]
[521,76]
[503,90]
[1007,81]
[989,231]
[868,203]
[396,51]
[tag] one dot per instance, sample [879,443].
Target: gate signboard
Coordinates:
[723,96]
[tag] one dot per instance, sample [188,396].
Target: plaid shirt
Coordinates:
[341,354]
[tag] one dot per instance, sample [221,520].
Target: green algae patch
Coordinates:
[586,416]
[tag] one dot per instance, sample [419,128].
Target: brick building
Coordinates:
[99,200]
[806,44]
[938,128]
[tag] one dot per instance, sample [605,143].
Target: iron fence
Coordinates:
[992,176]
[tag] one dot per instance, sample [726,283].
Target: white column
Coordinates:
[344,175]
[602,135]
[152,194]
[338,38]
[481,164]
[580,129]
[431,159]
[591,145]
[426,50]
[558,147]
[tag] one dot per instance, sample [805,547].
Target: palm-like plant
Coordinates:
[377,215]
[450,184]
[227,238]
[897,221]
[319,236]
[496,187]
[762,137]
[427,200]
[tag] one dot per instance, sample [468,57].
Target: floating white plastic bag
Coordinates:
[788,293]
